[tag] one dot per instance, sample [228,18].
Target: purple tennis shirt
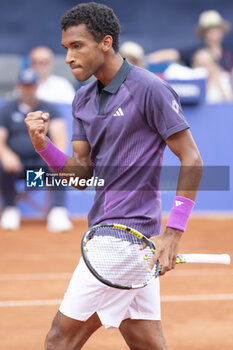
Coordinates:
[126,124]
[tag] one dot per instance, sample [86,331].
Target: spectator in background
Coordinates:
[133,52]
[17,152]
[52,88]
[211,29]
[219,87]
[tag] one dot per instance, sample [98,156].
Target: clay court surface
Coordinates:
[35,267]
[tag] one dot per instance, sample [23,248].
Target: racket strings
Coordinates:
[116,256]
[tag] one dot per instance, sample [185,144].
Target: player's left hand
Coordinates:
[166,249]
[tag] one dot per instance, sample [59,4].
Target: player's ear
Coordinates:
[106,43]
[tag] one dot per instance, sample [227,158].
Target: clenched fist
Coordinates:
[38,124]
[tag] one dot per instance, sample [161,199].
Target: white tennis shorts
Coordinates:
[86,295]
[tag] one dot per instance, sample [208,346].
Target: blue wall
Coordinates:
[154,24]
[211,127]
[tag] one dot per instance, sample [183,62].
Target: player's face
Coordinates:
[84,55]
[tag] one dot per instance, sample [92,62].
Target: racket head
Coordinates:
[112,254]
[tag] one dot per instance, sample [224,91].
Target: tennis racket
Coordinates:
[112,254]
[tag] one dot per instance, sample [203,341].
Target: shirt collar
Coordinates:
[119,78]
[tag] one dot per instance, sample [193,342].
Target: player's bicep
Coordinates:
[183,146]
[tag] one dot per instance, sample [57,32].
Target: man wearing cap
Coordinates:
[17,151]
[211,29]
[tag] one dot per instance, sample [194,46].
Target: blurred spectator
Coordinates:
[133,52]
[17,152]
[211,29]
[219,88]
[52,88]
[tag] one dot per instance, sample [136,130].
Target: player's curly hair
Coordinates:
[99,19]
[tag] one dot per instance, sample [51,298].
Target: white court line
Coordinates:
[197,297]
[165,298]
[200,272]
[35,276]
[14,303]
[67,275]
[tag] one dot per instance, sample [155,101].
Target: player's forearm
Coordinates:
[69,168]
[190,176]
[75,168]
[187,187]
[188,184]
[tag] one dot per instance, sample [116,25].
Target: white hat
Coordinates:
[211,18]
[130,48]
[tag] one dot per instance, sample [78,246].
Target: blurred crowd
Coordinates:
[38,88]
[215,59]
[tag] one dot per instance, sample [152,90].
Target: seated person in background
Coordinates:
[17,152]
[52,88]
[218,87]
[211,29]
[133,52]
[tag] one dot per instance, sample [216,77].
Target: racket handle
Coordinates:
[204,258]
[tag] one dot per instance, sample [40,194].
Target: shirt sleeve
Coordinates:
[163,110]
[78,131]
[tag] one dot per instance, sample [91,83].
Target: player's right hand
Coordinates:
[166,249]
[38,123]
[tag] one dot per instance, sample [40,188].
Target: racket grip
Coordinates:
[204,258]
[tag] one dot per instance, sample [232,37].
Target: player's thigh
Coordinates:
[143,334]
[67,333]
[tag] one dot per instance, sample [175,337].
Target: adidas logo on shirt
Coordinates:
[118,113]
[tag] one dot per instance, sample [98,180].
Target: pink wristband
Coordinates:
[180,213]
[55,158]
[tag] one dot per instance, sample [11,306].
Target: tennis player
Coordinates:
[124,119]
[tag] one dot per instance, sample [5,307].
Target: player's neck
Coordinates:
[111,66]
